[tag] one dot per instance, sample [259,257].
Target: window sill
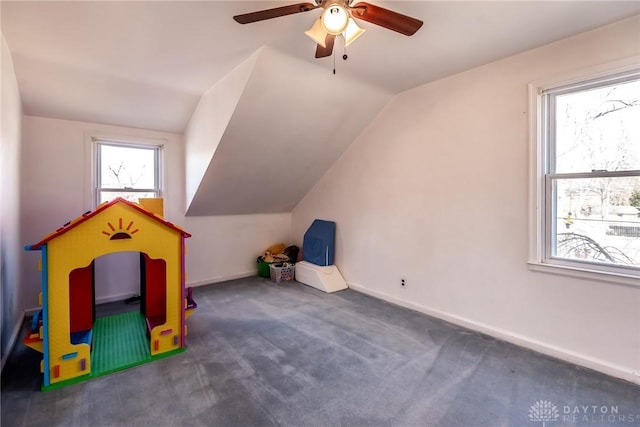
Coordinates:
[601,276]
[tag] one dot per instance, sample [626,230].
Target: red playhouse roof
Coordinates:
[82,218]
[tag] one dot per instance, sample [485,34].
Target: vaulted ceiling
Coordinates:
[147,65]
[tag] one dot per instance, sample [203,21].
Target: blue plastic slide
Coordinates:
[318,245]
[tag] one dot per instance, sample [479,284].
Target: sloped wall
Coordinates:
[209,122]
[436,191]
[289,123]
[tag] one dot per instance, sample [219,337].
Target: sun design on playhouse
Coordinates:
[121,233]
[74,343]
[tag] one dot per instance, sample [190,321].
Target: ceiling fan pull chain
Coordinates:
[334,62]
[344,56]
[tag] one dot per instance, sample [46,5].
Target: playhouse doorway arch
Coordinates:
[84,284]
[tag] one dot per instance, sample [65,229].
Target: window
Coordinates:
[589,174]
[127,170]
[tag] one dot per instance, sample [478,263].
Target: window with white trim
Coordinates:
[126,170]
[589,174]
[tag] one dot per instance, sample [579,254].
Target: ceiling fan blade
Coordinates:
[322,52]
[276,12]
[386,18]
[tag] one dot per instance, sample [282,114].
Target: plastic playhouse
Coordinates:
[77,346]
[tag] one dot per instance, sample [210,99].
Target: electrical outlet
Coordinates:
[403,282]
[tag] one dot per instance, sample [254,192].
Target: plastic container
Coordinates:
[263,268]
[282,273]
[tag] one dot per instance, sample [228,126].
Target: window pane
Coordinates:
[598,220]
[598,129]
[131,167]
[106,196]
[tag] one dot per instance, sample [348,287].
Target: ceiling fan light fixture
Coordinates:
[352,32]
[317,33]
[335,19]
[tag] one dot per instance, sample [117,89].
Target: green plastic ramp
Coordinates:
[119,342]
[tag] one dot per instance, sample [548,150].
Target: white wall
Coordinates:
[56,177]
[10,244]
[226,247]
[435,191]
[56,180]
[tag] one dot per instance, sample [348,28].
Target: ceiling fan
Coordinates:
[337,18]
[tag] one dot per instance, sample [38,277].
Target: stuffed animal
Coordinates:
[277,248]
[280,253]
[268,257]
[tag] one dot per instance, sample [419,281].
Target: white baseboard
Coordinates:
[219,279]
[123,296]
[30,311]
[517,339]
[100,300]
[12,341]
[113,298]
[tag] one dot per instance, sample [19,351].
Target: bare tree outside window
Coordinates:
[127,171]
[594,174]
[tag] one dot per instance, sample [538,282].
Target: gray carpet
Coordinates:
[262,354]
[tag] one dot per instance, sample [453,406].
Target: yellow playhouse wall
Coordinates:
[89,240]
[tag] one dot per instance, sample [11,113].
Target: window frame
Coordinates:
[543,174]
[96,141]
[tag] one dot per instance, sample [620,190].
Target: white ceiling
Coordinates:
[145,64]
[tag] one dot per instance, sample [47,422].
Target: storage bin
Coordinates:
[282,273]
[263,268]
